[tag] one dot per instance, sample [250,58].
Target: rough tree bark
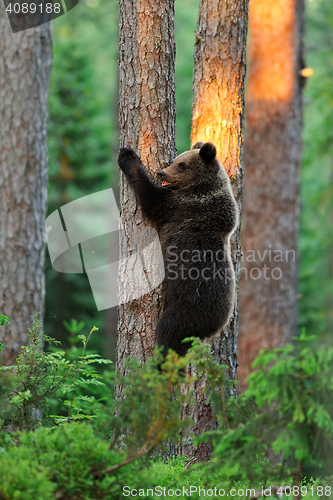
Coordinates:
[25,63]
[147,124]
[272,152]
[217,116]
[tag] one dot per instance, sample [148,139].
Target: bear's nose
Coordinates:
[161,174]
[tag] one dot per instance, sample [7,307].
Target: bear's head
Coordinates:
[192,168]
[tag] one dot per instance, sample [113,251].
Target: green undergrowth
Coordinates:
[72,427]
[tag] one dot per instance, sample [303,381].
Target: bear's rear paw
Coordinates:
[126,158]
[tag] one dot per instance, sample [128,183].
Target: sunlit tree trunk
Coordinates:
[147,124]
[217,116]
[272,152]
[25,62]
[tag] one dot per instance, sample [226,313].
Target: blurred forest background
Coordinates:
[83,146]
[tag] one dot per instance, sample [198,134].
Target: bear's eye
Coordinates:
[182,166]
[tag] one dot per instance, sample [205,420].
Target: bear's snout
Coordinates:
[163,177]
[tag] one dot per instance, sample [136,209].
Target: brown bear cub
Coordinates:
[195,212]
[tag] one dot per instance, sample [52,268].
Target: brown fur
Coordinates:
[195,212]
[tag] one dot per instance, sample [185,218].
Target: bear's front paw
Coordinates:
[126,159]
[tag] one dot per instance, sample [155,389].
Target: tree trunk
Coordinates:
[217,116]
[147,124]
[25,63]
[272,152]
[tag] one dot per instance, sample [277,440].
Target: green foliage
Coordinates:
[4,320]
[61,459]
[276,433]
[39,376]
[316,240]
[79,140]
[82,139]
[286,415]
[156,398]
[69,463]
[186,14]
[73,328]
[299,388]
[73,458]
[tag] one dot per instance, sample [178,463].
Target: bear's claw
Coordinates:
[126,157]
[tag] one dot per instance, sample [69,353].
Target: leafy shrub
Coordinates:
[40,375]
[277,433]
[283,424]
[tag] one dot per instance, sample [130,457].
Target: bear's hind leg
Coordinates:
[171,330]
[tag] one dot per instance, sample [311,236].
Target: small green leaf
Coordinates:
[4,320]
[83,338]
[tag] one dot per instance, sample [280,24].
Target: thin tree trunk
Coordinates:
[25,63]
[272,152]
[147,124]
[218,103]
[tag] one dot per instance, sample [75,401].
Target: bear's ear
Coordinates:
[207,152]
[197,145]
